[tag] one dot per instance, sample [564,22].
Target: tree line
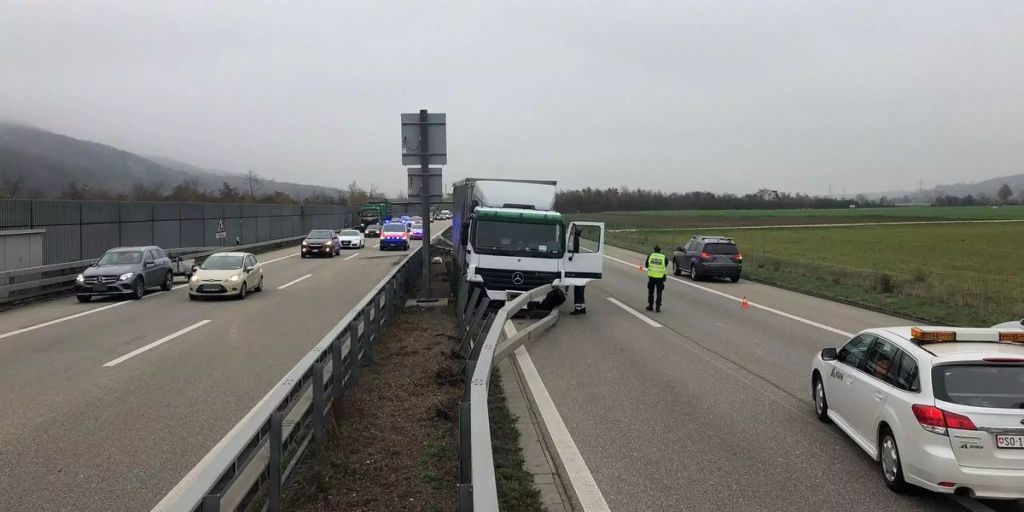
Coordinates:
[590,200]
[190,191]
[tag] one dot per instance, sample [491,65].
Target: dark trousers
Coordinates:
[578,299]
[654,283]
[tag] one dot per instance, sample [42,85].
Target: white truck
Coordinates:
[508,239]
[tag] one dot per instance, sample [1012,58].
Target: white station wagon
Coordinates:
[940,408]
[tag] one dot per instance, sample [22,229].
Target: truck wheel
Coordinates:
[168,282]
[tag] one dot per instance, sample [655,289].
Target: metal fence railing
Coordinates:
[26,283]
[483,345]
[248,469]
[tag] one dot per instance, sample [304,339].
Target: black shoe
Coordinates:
[657,309]
[581,311]
[648,308]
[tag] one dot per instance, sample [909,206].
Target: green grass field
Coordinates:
[680,219]
[960,274]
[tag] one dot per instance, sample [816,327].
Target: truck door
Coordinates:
[584,255]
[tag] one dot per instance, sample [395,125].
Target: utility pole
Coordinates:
[425,198]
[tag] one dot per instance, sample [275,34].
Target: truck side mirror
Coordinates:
[464,233]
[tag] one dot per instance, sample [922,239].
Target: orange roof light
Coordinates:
[919,334]
[1012,337]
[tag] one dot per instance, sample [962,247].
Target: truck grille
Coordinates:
[503,278]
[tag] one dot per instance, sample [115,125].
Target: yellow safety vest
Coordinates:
[657,264]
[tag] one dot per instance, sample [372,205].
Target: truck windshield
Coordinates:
[501,238]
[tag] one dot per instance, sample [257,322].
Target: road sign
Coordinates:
[413,149]
[433,185]
[221,235]
[220,226]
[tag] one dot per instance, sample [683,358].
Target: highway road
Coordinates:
[93,420]
[706,406]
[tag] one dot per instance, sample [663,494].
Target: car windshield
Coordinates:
[501,238]
[980,385]
[349,232]
[725,249]
[120,258]
[418,225]
[222,262]
[394,228]
[321,234]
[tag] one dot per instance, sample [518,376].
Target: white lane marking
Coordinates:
[353,256]
[289,283]
[179,286]
[971,504]
[59,320]
[583,483]
[376,246]
[635,313]
[156,343]
[281,258]
[752,304]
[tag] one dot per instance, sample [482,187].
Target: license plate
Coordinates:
[99,287]
[1012,442]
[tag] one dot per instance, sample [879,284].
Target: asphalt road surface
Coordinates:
[708,407]
[76,435]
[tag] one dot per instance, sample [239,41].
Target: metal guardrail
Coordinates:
[254,461]
[482,331]
[63,274]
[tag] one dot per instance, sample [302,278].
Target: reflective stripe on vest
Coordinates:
[656,265]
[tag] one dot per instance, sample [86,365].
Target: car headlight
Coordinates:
[80,279]
[305,243]
[234,278]
[126,276]
[195,278]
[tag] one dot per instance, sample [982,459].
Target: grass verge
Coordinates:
[516,492]
[952,274]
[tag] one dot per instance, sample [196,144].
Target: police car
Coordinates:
[939,407]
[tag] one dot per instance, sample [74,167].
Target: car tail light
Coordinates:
[706,256]
[1003,360]
[936,420]
[738,258]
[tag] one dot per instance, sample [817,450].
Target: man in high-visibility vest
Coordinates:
[657,266]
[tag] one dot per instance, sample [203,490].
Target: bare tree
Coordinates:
[255,183]
[1005,193]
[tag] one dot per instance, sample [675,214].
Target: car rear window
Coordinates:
[998,386]
[394,228]
[726,249]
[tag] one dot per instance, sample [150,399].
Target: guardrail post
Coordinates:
[275,501]
[466,346]
[468,308]
[354,360]
[211,503]
[319,429]
[365,338]
[338,377]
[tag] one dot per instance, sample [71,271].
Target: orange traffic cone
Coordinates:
[745,304]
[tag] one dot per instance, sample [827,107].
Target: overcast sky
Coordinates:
[676,95]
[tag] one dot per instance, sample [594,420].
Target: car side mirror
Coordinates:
[829,354]
[249,269]
[149,264]
[680,249]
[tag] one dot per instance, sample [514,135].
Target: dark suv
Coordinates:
[125,271]
[321,242]
[708,256]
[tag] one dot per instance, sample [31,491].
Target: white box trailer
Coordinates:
[509,239]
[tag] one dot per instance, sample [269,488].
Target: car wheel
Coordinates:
[138,289]
[243,292]
[168,282]
[303,256]
[676,269]
[694,276]
[735,278]
[889,460]
[259,285]
[84,298]
[820,401]
[192,297]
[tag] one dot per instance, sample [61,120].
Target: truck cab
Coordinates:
[510,240]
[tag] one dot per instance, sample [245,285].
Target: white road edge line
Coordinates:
[752,304]
[59,320]
[353,256]
[289,283]
[583,483]
[281,258]
[156,343]
[634,312]
[376,246]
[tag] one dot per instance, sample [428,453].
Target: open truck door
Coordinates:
[584,255]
